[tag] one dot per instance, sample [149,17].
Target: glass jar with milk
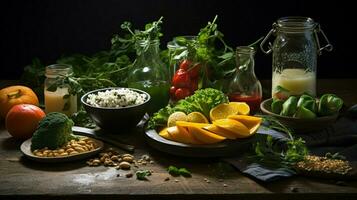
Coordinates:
[295,52]
[58,97]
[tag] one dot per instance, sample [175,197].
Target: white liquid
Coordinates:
[54,102]
[297,81]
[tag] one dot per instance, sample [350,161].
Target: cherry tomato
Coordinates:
[181,93]
[195,70]
[185,64]
[181,79]
[172,92]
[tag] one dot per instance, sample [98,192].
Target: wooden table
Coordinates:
[22,178]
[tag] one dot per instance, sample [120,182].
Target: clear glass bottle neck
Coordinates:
[245,59]
[148,49]
[56,70]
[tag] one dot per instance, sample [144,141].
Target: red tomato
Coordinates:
[181,93]
[172,92]
[181,79]
[22,120]
[185,64]
[195,70]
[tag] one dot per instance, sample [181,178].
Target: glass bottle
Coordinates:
[245,87]
[295,50]
[57,97]
[149,74]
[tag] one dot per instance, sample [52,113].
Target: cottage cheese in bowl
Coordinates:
[116,98]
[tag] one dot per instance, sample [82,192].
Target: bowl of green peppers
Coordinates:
[304,114]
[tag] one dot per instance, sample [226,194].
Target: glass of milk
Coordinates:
[57,97]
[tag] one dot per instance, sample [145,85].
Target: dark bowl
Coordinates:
[299,125]
[116,118]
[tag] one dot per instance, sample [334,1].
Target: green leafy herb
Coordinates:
[280,153]
[174,171]
[142,174]
[81,118]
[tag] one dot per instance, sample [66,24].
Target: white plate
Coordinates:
[26,150]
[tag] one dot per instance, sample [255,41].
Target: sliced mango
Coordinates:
[163,133]
[187,124]
[204,136]
[220,131]
[248,121]
[251,122]
[233,126]
[189,137]
[177,136]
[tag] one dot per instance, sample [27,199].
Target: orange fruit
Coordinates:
[242,107]
[222,111]
[22,120]
[14,95]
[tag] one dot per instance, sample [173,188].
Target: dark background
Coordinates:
[49,29]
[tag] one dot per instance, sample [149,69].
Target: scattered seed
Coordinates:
[129,175]
[225,185]
[124,165]
[176,180]
[167,179]
[151,162]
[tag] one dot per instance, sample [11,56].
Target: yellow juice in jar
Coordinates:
[297,81]
[54,102]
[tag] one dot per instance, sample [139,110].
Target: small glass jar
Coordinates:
[295,51]
[245,87]
[57,97]
[150,74]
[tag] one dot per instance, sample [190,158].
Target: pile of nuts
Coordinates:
[111,158]
[324,164]
[84,144]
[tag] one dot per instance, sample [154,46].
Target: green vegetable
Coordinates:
[279,153]
[289,106]
[202,101]
[329,104]
[303,113]
[81,118]
[174,171]
[304,98]
[53,131]
[277,106]
[142,174]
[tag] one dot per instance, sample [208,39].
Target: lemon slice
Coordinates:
[242,107]
[197,117]
[174,117]
[222,111]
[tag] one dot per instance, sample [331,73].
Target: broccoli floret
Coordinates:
[53,131]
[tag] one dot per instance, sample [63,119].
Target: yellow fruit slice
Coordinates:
[251,122]
[248,121]
[220,131]
[189,137]
[178,136]
[222,111]
[187,124]
[243,108]
[163,133]
[174,117]
[204,136]
[197,117]
[233,126]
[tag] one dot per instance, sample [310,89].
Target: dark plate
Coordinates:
[222,149]
[299,125]
[26,150]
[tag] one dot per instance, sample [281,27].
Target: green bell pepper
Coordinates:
[329,104]
[303,112]
[289,106]
[277,106]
